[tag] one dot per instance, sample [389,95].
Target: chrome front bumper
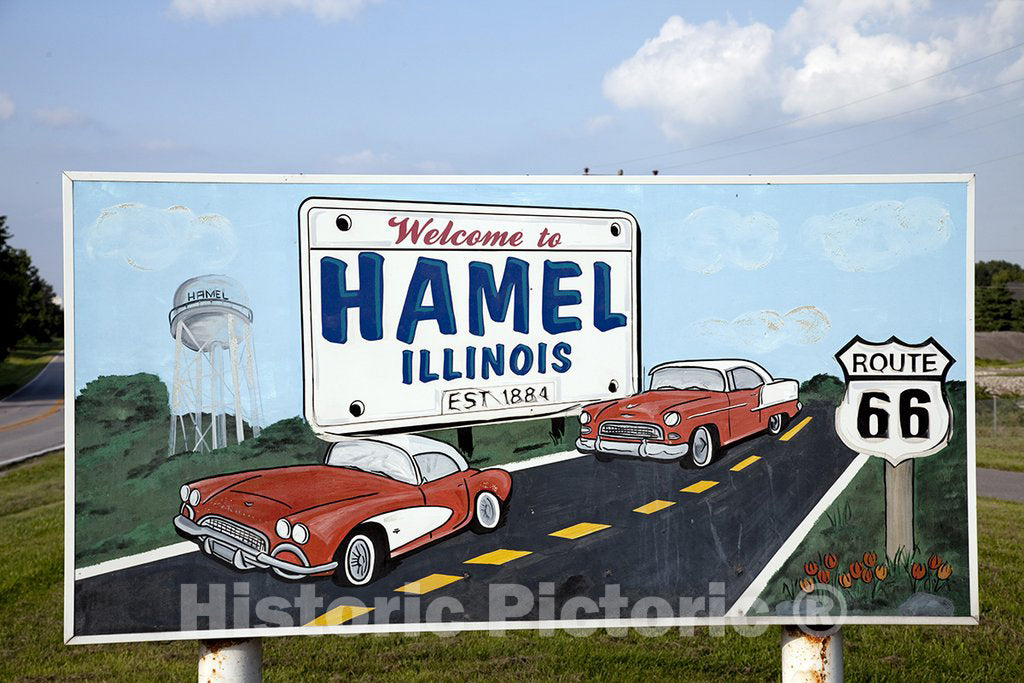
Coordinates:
[636,449]
[232,551]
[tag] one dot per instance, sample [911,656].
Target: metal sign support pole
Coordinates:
[231,661]
[808,657]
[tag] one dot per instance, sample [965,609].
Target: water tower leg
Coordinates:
[214,402]
[255,406]
[235,383]
[197,416]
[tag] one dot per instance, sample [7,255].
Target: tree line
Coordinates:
[995,307]
[28,311]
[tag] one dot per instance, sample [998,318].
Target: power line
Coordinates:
[845,128]
[915,130]
[809,116]
[991,161]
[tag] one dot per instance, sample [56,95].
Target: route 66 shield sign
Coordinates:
[895,405]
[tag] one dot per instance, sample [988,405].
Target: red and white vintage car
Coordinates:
[692,409]
[371,500]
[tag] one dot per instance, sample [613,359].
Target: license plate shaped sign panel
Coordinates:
[421,314]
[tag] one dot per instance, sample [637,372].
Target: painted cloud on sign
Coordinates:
[880,235]
[148,238]
[767,330]
[714,237]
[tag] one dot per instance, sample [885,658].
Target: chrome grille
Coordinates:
[631,430]
[239,532]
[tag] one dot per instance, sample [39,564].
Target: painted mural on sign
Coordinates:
[307,405]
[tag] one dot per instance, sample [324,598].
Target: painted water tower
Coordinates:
[214,365]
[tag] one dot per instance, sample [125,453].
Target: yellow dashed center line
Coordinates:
[699,487]
[35,418]
[500,556]
[429,583]
[339,615]
[654,506]
[578,530]
[744,463]
[792,432]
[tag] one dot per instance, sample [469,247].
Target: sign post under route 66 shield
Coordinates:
[895,408]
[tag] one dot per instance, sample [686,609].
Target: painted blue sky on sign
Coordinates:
[780,274]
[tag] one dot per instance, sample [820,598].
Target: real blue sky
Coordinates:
[351,86]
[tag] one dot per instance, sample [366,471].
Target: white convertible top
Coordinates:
[720,364]
[414,444]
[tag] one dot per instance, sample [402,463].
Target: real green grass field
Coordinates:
[1001,452]
[31,647]
[25,362]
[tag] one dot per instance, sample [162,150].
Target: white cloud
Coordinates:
[598,123]
[828,53]
[370,161]
[713,237]
[148,238]
[6,106]
[215,11]
[856,66]
[61,117]
[879,235]
[690,74]
[767,330]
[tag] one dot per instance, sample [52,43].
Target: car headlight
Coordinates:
[193,497]
[183,492]
[671,419]
[584,417]
[300,534]
[283,528]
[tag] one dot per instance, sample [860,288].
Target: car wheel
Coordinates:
[702,447]
[360,559]
[776,423]
[487,512]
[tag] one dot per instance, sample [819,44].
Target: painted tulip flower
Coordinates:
[917,571]
[811,568]
[831,561]
[823,576]
[944,571]
[867,576]
[870,559]
[856,569]
[934,562]
[845,580]
[806,585]
[881,571]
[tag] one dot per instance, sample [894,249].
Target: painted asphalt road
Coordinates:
[32,418]
[723,532]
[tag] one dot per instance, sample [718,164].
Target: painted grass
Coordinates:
[31,646]
[24,363]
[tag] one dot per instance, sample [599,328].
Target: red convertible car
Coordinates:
[692,409]
[371,500]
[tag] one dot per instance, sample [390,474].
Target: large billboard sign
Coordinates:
[320,404]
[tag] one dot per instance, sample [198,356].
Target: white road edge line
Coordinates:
[168,551]
[59,356]
[760,582]
[28,456]
[186,547]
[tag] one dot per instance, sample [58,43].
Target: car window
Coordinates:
[433,466]
[667,379]
[745,378]
[374,457]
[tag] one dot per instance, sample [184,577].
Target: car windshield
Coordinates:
[687,378]
[374,457]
